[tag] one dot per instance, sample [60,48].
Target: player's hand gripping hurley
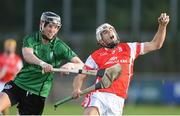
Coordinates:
[108,76]
[100,72]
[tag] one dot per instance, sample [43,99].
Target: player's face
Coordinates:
[50,30]
[10,48]
[108,36]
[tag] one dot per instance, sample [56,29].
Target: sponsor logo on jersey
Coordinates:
[114,60]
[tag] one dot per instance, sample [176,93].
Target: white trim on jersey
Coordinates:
[133,49]
[1,86]
[130,72]
[142,49]
[91,63]
[134,46]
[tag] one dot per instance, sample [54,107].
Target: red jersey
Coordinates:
[9,67]
[124,54]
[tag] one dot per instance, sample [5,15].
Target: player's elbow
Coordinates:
[159,46]
[25,56]
[27,53]
[156,45]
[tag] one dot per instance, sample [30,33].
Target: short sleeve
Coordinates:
[90,63]
[65,51]
[28,42]
[136,49]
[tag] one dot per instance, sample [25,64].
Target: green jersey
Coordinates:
[30,78]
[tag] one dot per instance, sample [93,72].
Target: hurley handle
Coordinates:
[69,98]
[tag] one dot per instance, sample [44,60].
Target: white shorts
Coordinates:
[108,104]
[1,86]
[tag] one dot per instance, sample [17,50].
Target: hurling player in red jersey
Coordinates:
[10,64]
[110,101]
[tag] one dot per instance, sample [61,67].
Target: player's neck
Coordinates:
[45,41]
[9,54]
[110,48]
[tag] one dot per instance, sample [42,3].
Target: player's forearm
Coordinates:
[78,81]
[78,64]
[32,59]
[159,37]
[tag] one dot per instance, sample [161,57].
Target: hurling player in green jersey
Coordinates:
[42,50]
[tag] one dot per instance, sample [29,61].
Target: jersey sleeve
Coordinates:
[28,42]
[66,52]
[90,63]
[136,49]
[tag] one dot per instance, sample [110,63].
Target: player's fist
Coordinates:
[46,67]
[68,66]
[163,19]
[76,93]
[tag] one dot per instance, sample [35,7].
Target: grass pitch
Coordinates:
[76,109]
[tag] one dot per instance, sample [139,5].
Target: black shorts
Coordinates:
[28,103]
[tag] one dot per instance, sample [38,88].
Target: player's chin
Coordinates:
[50,37]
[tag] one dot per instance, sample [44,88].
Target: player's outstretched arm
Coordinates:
[77,84]
[160,35]
[32,59]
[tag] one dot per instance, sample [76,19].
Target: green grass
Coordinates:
[151,110]
[75,109]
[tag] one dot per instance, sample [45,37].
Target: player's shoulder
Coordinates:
[59,42]
[127,45]
[123,44]
[33,36]
[98,51]
[18,57]
[1,56]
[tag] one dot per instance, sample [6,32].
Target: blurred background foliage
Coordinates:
[83,24]
[156,74]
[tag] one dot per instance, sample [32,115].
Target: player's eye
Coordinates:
[54,26]
[105,32]
[110,29]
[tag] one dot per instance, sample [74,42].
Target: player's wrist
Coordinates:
[72,66]
[42,63]
[163,24]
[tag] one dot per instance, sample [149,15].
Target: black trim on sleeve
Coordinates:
[80,71]
[101,72]
[98,86]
